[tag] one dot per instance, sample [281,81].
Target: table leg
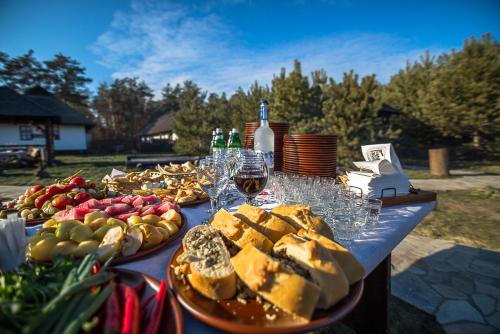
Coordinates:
[372,313]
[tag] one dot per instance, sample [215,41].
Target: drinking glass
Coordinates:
[210,176]
[251,175]
[374,206]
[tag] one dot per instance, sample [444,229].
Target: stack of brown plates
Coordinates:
[314,155]
[279,129]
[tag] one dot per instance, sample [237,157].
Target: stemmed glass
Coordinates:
[251,175]
[210,175]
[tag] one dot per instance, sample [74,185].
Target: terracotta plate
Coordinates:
[193,203]
[235,317]
[172,321]
[37,221]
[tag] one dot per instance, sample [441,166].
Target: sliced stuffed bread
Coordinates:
[318,262]
[265,276]
[210,271]
[353,270]
[268,224]
[301,216]
[239,232]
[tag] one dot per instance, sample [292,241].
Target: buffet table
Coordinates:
[372,250]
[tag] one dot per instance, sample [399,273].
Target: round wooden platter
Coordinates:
[235,317]
[141,254]
[172,321]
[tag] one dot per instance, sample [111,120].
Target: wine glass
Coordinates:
[210,174]
[251,175]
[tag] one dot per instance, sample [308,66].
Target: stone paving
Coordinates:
[466,180]
[459,285]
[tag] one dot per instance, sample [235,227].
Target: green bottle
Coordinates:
[234,141]
[229,138]
[219,144]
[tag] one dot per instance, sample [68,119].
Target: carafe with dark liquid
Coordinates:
[251,175]
[250,185]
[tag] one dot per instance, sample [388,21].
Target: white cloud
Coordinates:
[165,43]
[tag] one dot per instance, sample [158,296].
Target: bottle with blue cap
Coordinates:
[264,137]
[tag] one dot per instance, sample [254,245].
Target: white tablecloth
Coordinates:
[395,224]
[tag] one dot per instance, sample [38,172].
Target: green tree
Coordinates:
[65,77]
[292,97]
[245,105]
[191,127]
[22,72]
[123,109]
[350,112]
[465,99]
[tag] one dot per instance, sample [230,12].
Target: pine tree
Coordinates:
[292,97]
[350,112]
[190,127]
[22,72]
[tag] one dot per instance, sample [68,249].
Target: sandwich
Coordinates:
[267,277]
[209,269]
[320,265]
[238,232]
[270,225]
[353,270]
[301,216]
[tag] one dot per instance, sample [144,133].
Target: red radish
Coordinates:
[41,199]
[79,181]
[82,197]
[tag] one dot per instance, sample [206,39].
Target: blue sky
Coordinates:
[229,43]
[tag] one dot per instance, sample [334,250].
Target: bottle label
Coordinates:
[268,158]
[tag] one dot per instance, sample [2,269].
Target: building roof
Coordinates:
[387,110]
[48,101]
[38,103]
[13,104]
[163,124]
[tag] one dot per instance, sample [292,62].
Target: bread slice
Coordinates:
[319,263]
[269,279]
[238,232]
[266,223]
[353,270]
[301,216]
[210,270]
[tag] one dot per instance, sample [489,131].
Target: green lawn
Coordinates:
[421,170]
[94,168]
[470,217]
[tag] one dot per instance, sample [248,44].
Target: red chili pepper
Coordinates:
[113,322]
[139,288]
[153,322]
[131,315]
[95,268]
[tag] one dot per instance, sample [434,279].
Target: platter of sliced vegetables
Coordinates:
[136,237]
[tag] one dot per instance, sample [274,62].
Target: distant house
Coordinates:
[161,129]
[23,120]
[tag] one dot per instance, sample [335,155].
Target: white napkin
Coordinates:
[12,241]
